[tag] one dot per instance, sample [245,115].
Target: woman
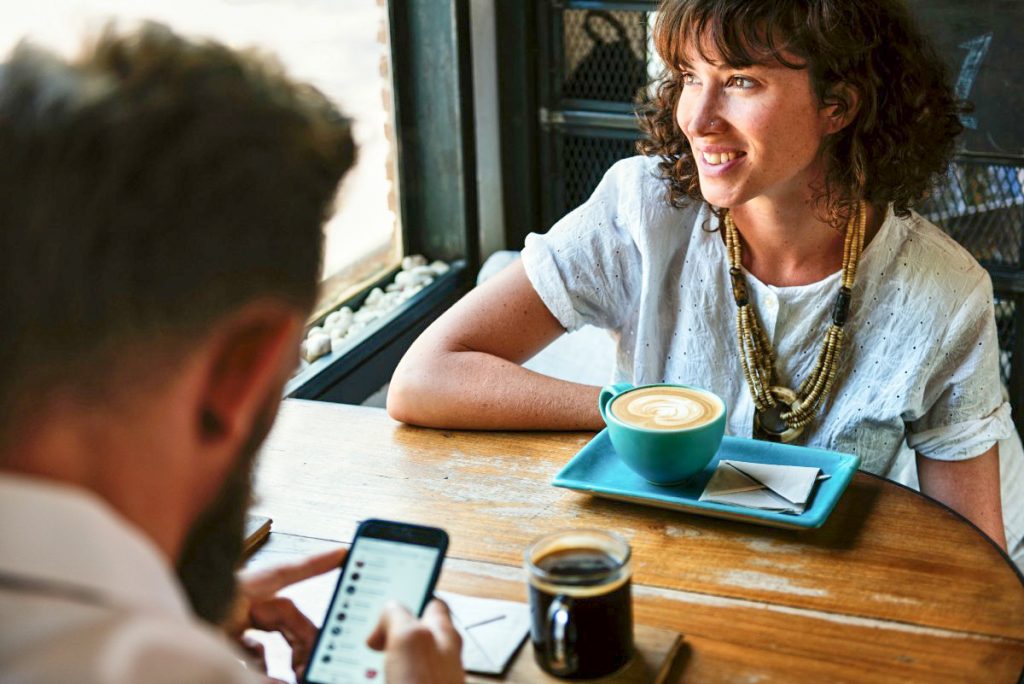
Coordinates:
[763,248]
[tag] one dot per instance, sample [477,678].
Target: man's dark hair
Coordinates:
[148,189]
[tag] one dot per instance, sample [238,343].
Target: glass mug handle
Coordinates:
[562,657]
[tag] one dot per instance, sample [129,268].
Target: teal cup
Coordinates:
[667,436]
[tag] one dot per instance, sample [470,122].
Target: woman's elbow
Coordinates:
[405,397]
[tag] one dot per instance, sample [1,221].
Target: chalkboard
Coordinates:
[981,42]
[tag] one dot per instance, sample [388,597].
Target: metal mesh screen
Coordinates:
[605,54]
[585,160]
[1005,310]
[981,205]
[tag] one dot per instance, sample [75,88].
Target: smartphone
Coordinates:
[388,561]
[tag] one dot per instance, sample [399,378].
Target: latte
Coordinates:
[666,408]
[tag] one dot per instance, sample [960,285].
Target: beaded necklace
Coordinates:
[782,414]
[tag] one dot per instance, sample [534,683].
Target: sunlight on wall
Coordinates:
[330,43]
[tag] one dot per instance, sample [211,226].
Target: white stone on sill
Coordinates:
[412,261]
[342,324]
[315,347]
[365,316]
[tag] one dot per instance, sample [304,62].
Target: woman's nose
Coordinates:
[700,115]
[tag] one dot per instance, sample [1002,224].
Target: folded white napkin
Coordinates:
[781,488]
[491,630]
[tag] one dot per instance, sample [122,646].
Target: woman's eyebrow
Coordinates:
[682,65]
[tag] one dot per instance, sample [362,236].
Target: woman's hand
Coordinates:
[259,607]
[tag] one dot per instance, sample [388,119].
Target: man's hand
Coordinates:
[427,651]
[259,607]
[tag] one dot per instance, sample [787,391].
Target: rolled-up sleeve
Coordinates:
[967,414]
[586,268]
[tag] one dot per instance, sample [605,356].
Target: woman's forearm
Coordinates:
[969,487]
[465,370]
[476,390]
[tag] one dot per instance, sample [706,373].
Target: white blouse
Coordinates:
[921,361]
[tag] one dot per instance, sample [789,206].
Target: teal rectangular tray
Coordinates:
[597,470]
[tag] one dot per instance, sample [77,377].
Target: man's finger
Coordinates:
[392,619]
[255,652]
[437,616]
[281,615]
[267,582]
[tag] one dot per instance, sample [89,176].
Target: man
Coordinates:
[162,203]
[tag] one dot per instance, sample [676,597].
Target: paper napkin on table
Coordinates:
[768,487]
[491,630]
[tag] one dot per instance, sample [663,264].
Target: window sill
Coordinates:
[365,363]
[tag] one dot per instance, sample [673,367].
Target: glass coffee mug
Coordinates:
[580,605]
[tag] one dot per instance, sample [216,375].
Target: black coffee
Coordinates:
[599,635]
[592,565]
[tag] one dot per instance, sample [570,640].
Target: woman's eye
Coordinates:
[689,79]
[741,82]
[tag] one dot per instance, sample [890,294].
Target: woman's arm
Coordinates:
[970,487]
[464,372]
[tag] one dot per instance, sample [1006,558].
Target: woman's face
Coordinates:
[755,132]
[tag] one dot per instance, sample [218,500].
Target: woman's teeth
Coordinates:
[716,159]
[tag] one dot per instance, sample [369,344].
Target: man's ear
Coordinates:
[845,101]
[248,360]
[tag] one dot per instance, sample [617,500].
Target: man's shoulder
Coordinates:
[67,640]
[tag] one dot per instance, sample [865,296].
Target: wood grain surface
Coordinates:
[894,587]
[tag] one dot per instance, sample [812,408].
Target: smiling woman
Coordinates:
[763,248]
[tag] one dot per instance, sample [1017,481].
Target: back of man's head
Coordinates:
[147,190]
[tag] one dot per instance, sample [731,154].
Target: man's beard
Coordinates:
[213,547]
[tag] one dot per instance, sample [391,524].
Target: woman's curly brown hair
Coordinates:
[900,139]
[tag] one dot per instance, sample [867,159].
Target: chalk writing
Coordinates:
[976,48]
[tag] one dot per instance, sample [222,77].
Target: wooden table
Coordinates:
[894,587]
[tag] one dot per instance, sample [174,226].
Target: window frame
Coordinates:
[431,81]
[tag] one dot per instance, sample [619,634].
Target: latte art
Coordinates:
[665,408]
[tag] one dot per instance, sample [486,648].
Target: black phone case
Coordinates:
[390,530]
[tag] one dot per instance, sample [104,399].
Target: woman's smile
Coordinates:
[714,160]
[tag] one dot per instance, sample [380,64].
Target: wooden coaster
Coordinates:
[656,651]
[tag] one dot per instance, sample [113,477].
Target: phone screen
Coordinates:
[376,571]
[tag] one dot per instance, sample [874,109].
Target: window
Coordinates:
[401,69]
[340,46]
